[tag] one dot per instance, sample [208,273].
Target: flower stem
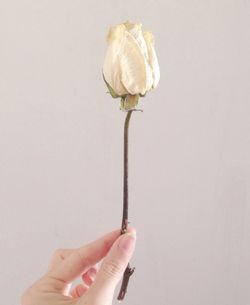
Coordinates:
[125,175]
[129,271]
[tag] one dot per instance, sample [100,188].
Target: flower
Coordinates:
[130,67]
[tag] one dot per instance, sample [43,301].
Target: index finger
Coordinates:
[81,259]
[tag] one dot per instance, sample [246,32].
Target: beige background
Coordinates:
[61,146]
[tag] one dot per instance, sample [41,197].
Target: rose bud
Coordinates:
[130,67]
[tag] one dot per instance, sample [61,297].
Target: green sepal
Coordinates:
[111,90]
[129,102]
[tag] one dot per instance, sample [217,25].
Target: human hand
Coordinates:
[54,288]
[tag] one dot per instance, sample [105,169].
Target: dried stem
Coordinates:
[129,271]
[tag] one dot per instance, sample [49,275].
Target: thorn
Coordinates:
[133,110]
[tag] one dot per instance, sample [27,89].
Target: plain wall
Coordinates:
[61,146]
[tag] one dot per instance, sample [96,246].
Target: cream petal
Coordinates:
[137,34]
[150,79]
[136,31]
[136,74]
[116,33]
[111,66]
[131,26]
[153,61]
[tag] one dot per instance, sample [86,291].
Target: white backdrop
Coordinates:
[61,146]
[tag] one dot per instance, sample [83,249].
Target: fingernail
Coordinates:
[127,241]
[92,273]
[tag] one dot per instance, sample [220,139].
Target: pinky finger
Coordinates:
[78,291]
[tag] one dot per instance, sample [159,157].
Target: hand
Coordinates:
[98,286]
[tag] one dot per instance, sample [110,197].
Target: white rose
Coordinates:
[130,66]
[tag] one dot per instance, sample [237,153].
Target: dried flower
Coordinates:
[131,67]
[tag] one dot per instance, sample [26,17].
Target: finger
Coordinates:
[81,259]
[114,266]
[58,256]
[78,291]
[89,276]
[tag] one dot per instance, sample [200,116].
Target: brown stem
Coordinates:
[129,271]
[125,175]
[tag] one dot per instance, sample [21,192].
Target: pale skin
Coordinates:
[98,283]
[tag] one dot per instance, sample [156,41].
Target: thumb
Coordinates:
[113,266]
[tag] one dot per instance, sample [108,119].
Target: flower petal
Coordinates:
[111,66]
[116,33]
[153,61]
[136,73]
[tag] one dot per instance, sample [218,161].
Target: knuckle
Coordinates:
[60,253]
[112,269]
